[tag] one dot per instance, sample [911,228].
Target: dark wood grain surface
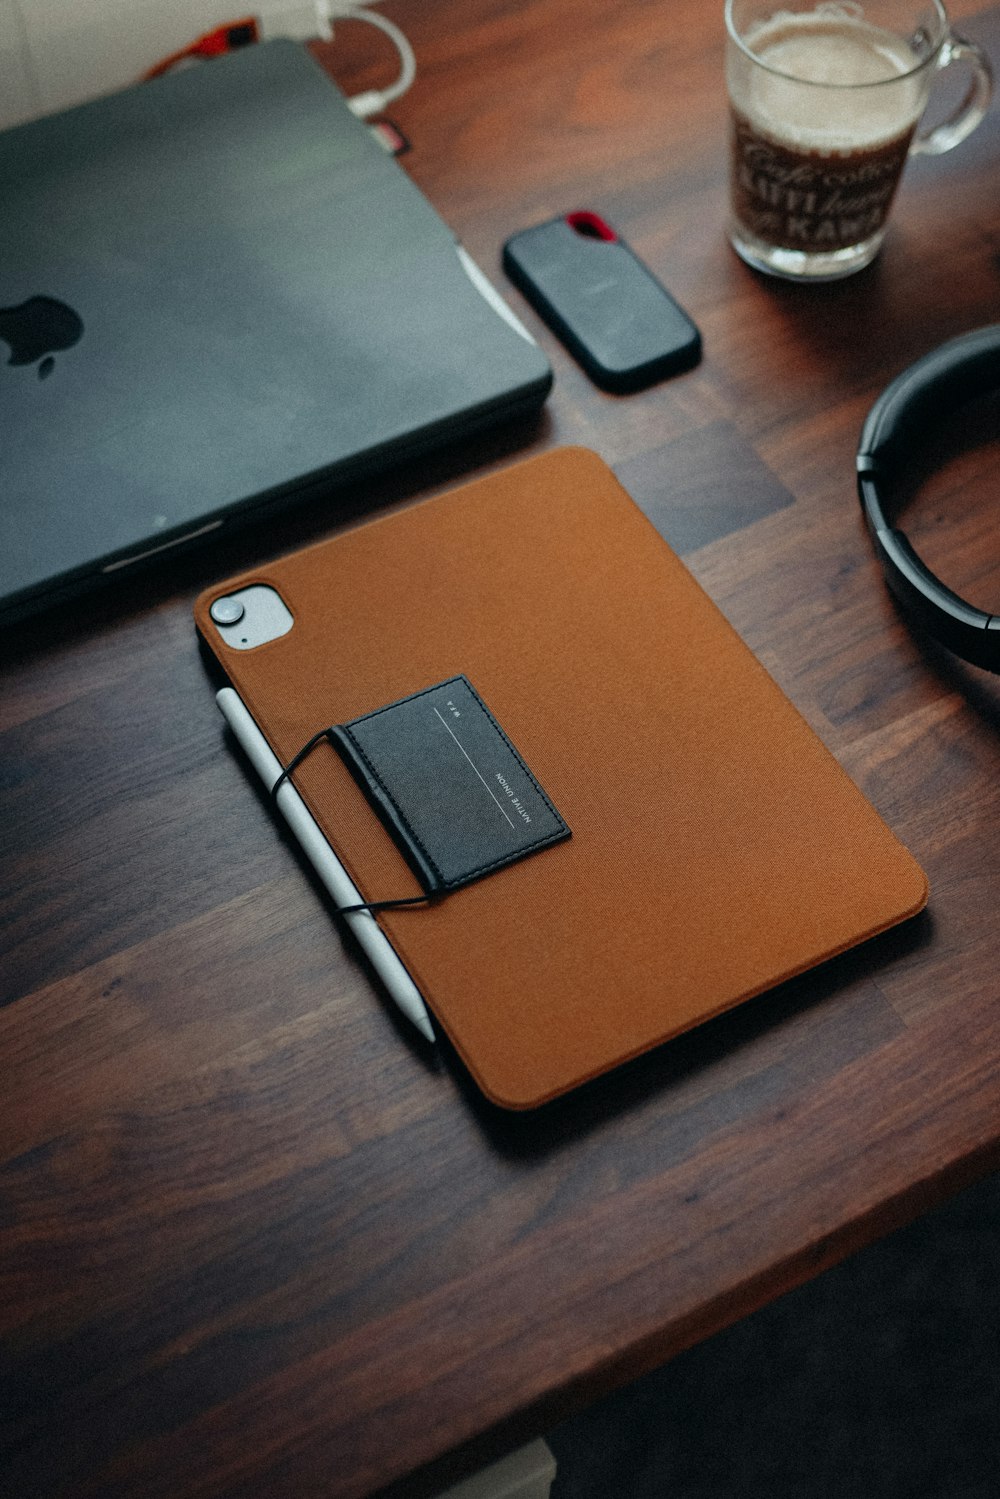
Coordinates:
[256,1242]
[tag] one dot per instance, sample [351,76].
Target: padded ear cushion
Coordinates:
[924,394]
[932,388]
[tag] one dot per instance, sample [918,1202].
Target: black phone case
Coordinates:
[609,310]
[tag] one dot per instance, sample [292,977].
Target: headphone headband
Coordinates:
[933,387]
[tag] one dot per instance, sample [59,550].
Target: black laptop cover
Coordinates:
[219,293]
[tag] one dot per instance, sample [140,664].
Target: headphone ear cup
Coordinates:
[932,388]
[964,629]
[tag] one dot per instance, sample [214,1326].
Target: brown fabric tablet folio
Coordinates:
[716,846]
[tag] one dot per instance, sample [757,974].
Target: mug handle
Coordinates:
[964,119]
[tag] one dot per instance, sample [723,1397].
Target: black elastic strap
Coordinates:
[297,760]
[385,905]
[286,775]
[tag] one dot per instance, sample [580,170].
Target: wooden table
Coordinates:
[253,1242]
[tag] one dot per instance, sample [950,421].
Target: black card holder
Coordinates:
[454,793]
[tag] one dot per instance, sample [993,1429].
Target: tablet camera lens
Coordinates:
[228,611]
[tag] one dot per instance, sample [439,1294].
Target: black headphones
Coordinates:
[934,387]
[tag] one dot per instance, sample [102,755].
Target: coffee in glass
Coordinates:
[825,104]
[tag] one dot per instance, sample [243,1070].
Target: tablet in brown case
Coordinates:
[716,848]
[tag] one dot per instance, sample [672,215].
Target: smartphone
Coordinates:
[616,319]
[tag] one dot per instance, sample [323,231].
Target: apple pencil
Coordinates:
[337,881]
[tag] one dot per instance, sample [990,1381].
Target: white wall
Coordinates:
[54,53]
[18,93]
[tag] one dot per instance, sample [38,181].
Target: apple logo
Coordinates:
[37,329]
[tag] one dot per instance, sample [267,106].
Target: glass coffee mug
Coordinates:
[825,101]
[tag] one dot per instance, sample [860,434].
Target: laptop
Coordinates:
[220,294]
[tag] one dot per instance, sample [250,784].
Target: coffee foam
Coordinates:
[840,50]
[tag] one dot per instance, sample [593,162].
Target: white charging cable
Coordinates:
[374,101]
[302,20]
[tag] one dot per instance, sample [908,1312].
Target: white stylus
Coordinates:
[325,862]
